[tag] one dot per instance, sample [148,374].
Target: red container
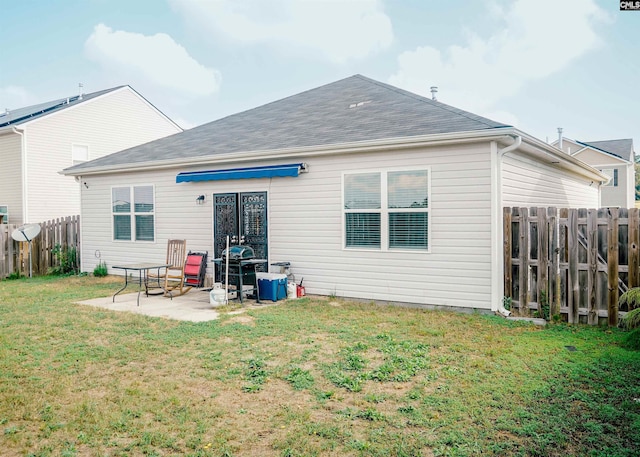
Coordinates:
[300,291]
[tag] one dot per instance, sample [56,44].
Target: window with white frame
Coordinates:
[79,153]
[612,173]
[387,210]
[4,214]
[133,212]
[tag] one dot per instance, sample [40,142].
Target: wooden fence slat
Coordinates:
[543,261]
[573,284]
[634,247]
[554,276]
[612,266]
[592,260]
[523,279]
[508,267]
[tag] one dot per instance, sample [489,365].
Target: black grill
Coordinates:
[238,253]
[242,268]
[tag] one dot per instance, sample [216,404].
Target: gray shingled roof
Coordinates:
[20,115]
[350,110]
[621,148]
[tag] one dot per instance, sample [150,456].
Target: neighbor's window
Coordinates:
[613,174]
[387,210]
[4,214]
[79,153]
[133,213]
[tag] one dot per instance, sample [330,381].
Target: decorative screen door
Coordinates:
[241,215]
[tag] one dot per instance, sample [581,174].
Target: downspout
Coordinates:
[23,165]
[497,235]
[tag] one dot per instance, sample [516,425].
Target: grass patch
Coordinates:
[306,378]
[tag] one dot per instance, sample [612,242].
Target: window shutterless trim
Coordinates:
[384,210]
[132,213]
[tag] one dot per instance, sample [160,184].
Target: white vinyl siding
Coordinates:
[11,182]
[530,183]
[106,124]
[305,223]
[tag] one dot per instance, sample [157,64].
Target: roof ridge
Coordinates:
[435,103]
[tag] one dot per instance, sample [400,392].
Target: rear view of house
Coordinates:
[37,142]
[368,190]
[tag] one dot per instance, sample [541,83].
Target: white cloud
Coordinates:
[13,97]
[539,38]
[157,59]
[338,31]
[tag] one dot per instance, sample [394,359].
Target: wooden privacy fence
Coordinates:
[14,255]
[574,263]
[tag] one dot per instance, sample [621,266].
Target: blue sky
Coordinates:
[536,64]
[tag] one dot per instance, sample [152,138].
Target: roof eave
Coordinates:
[544,151]
[558,158]
[306,151]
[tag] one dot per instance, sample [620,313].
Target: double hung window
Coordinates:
[133,211]
[387,210]
[613,174]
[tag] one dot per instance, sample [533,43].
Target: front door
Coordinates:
[241,216]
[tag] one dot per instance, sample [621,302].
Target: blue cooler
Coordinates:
[272,286]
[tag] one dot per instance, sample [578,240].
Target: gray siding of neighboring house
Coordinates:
[11,182]
[305,223]
[622,194]
[530,183]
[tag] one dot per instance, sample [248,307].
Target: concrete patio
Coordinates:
[193,306]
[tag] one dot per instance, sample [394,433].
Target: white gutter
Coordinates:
[394,144]
[497,266]
[23,165]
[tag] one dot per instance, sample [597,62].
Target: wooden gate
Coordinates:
[572,263]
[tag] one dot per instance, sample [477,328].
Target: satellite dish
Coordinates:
[26,232]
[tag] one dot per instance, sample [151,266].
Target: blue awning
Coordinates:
[270,171]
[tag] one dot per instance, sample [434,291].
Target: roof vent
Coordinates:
[359,104]
[434,91]
[559,137]
[80,86]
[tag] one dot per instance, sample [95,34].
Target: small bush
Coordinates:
[100,270]
[631,320]
[632,341]
[66,259]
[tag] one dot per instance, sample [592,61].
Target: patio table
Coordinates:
[143,276]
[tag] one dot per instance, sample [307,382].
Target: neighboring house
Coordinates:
[615,158]
[368,190]
[38,141]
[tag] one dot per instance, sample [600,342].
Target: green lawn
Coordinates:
[309,377]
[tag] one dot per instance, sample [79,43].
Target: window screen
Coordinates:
[141,221]
[387,210]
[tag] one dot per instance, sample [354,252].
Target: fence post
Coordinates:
[612,266]
[554,276]
[523,279]
[592,260]
[543,262]
[634,251]
[508,269]
[573,284]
